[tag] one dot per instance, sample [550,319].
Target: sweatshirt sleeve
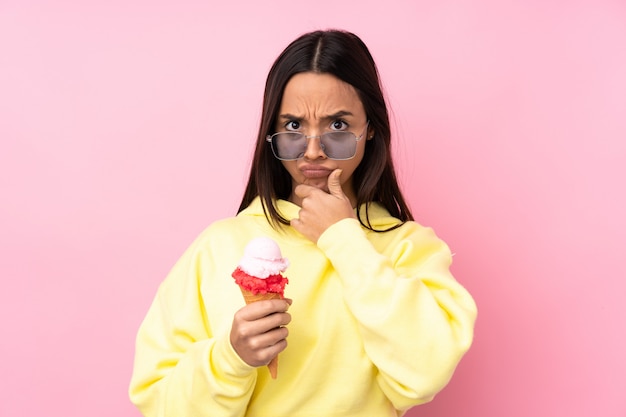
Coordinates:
[415,319]
[181,369]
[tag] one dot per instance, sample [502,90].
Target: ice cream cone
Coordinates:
[273,367]
[251,298]
[259,277]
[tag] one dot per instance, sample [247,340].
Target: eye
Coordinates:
[292,125]
[339,125]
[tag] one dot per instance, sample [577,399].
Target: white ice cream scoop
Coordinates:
[262,258]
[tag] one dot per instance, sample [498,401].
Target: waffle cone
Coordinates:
[249,297]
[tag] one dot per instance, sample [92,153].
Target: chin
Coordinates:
[320,183]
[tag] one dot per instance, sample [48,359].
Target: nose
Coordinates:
[314,148]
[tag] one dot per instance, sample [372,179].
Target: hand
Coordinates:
[258,333]
[321,209]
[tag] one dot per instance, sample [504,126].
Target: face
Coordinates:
[314,104]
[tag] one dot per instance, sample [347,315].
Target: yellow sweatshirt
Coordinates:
[378,324]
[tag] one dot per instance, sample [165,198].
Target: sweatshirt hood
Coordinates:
[379,217]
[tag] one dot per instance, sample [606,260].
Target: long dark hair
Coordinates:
[344,55]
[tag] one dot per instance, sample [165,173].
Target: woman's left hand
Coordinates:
[321,209]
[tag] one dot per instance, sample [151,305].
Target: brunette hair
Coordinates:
[344,55]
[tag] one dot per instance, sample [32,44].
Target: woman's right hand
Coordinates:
[258,332]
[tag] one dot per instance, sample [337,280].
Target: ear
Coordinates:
[370,134]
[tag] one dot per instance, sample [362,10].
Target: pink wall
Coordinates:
[126,127]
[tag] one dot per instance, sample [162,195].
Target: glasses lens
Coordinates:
[339,145]
[288,145]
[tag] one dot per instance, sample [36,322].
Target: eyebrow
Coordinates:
[337,115]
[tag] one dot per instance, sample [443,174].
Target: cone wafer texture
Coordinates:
[251,297]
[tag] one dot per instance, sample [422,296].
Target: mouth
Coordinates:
[313,172]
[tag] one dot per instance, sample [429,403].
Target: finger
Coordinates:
[263,308]
[273,321]
[243,333]
[265,324]
[261,349]
[334,184]
[268,353]
[269,338]
[303,190]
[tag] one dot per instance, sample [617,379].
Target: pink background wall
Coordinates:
[126,128]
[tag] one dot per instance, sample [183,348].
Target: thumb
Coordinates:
[334,183]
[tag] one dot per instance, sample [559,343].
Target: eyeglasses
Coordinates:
[338,145]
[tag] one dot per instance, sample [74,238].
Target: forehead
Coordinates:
[312,94]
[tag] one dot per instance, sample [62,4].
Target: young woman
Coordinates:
[374,322]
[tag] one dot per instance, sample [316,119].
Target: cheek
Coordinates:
[348,167]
